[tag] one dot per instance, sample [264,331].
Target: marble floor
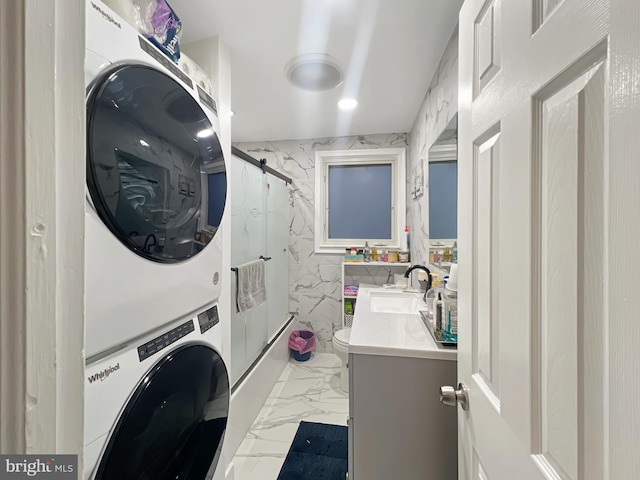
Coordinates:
[307,391]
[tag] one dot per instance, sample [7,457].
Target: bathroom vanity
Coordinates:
[397,426]
[367,273]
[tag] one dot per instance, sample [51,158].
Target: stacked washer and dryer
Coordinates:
[157,389]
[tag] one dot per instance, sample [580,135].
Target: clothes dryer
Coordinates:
[158,408]
[156,187]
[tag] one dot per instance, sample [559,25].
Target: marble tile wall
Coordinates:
[315,295]
[315,279]
[438,108]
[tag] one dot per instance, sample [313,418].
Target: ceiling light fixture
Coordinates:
[347,103]
[314,72]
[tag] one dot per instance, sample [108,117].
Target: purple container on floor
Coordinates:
[301,343]
[301,357]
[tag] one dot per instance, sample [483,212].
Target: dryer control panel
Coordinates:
[208,319]
[163,341]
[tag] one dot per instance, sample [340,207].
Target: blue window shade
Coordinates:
[443,200]
[360,201]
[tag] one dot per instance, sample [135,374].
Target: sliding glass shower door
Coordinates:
[278,248]
[259,228]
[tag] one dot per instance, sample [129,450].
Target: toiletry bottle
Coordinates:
[450,328]
[432,293]
[367,252]
[454,253]
[438,315]
[374,254]
[404,240]
[406,231]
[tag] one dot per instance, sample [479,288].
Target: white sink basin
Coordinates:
[395,302]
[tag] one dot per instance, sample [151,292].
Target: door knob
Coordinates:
[451,397]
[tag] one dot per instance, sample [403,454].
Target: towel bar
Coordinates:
[262,257]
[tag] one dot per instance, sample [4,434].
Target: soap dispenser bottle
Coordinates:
[431,296]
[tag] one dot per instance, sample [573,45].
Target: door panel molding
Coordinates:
[486,322]
[488,45]
[567,334]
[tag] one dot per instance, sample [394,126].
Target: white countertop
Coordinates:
[393,334]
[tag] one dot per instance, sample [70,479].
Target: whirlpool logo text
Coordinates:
[104,374]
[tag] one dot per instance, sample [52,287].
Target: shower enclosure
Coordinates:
[259,228]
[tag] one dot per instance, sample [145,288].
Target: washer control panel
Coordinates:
[163,341]
[208,319]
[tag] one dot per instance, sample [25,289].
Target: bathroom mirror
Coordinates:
[443,196]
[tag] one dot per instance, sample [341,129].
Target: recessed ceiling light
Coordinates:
[314,71]
[347,103]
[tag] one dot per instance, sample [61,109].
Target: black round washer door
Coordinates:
[174,424]
[155,169]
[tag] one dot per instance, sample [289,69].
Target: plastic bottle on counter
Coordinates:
[454,252]
[450,327]
[404,240]
[367,252]
[431,296]
[408,237]
[438,314]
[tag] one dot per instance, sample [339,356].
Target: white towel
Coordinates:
[251,290]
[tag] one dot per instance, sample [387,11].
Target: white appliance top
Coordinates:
[393,334]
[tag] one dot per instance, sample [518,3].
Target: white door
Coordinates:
[542,88]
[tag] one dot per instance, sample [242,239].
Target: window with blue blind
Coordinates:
[360,201]
[360,197]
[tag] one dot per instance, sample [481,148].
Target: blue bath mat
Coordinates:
[318,452]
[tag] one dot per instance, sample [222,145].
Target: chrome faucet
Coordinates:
[428,282]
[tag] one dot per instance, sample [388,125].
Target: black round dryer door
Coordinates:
[174,424]
[155,169]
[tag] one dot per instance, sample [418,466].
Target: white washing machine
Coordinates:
[156,188]
[158,409]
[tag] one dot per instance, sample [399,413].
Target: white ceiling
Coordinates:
[388,49]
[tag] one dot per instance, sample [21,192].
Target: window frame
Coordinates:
[396,157]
